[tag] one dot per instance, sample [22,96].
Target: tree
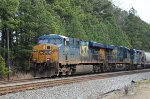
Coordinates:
[8,10]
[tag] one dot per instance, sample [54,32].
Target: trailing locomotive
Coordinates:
[61,55]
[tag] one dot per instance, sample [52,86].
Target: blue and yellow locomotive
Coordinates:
[61,55]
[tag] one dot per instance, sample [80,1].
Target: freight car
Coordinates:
[147,59]
[60,55]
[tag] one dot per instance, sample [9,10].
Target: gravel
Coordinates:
[82,90]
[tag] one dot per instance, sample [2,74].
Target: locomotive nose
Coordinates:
[43,53]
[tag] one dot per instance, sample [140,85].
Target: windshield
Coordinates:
[55,41]
[43,41]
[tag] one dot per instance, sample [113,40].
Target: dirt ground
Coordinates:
[18,76]
[137,90]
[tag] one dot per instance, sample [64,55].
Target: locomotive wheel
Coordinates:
[60,74]
[127,67]
[113,68]
[102,68]
[34,73]
[131,67]
[106,68]
[73,71]
[99,70]
[143,66]
[94,68]
[67,73]
[135,66]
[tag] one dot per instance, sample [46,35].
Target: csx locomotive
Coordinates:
[60,55]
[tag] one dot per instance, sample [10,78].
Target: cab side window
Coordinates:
[66,42]
[77,44]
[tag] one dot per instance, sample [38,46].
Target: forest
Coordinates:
[23,21]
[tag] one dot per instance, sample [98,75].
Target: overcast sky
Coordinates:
[141,6]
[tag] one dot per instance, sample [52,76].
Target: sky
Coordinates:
[141,6]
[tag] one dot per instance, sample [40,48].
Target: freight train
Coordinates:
[57,55]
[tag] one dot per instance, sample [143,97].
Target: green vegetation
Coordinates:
[97,20]
[3,69]
[139,82]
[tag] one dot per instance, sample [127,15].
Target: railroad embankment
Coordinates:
[91,89]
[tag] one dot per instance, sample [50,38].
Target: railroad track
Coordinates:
[57,82]
[16,81]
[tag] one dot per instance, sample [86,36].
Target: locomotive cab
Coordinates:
[45,57]
[45,60]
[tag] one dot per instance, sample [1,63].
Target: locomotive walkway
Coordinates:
[30,85]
